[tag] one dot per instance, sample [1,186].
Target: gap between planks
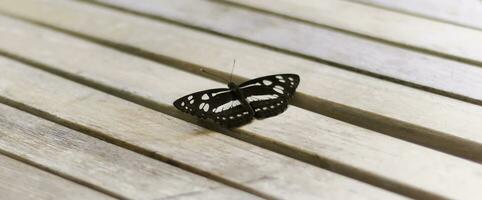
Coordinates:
[123,144]
[186,23]
[444,143]
[342,112]
[57,173]
[426,50]
[428,137]
[97,164]
[435,15]
[17,179]
[273,158]
[333,164]
[244,135]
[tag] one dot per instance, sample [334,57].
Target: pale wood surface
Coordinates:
[245,164]
[23,182]
[337,143]
[424,116]
[461,12]
[441,38]
[119,100]
[445,76]
[116,170]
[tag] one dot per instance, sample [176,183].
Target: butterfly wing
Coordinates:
[269,95]
[220,105]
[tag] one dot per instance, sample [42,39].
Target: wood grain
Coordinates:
[432,73]
[435,121]
[24,182]
[427,35]
[117,171]
[319,140]
[167,138]
[466,13]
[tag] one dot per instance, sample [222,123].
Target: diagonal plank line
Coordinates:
[99,135]
[364,36]
[294,53]
[407,131]
[269,144]
[59,174]
[396,128]
[411,13]
[126,145]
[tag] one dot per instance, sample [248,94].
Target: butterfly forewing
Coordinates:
[268,96]
[219,105]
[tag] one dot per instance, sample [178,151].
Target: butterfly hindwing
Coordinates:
[268,96]
[220,105]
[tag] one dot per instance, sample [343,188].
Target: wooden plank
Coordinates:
[460,12]
[329,143]
[397,110]
[432,73]
[24,182]
[117,171]
[427,35]
[163,137]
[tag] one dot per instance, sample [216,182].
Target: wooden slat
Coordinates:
[440,38]
[461,12]
[383,106]
[117,171]
[436,74]
[316,139]
[167,138]
[23,182]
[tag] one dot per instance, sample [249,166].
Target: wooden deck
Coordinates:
[389,105]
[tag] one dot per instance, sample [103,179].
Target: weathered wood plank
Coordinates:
[461,12]
[118,171]
[164,137]
[433,73]
[437,37]
[329,143]
[24,182]
[386,107]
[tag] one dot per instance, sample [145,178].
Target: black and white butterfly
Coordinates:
[237,105]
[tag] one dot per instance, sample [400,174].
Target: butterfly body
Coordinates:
[237,105]
[239,94]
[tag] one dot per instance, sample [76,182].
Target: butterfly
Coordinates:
[237,105]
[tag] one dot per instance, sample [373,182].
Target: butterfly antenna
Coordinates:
[212,74]
[232,70]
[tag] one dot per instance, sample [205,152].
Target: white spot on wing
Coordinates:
[191,102]
[279,77]
[201,106]
[227,105]
[282,81]
[278,89]
[182,103]
[189,97]
[261,97]
[290,78]
[267,82]
[251,85]
[205,97]
[214,94]
[206,107]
